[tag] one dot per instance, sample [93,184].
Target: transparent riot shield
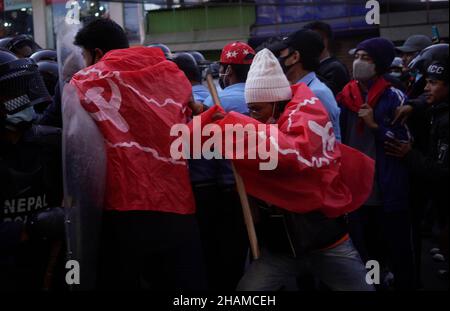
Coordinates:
[84,165]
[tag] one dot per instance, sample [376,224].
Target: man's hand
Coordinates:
[402,113]
[366,113]
[218,116]
[396,148]
[196,107]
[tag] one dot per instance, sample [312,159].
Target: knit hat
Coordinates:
[266,81]
[381,50]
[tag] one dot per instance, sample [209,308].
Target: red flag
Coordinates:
[135,95]
[314,172]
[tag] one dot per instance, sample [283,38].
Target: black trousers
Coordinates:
[419,200]
[386,237]
[150,250]
[26,268]
[223,233]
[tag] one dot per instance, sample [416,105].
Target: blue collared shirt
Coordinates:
[327,98]
[200,92]
[232,98]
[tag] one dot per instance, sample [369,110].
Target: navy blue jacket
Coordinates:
[391,173]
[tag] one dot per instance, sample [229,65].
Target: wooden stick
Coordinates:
[248,218]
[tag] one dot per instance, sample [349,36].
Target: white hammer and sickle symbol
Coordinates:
[108,111]
[328,140]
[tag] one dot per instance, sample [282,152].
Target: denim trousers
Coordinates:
[340,268]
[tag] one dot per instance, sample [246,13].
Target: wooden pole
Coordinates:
[248,218]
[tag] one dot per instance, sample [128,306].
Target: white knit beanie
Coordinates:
[266,81]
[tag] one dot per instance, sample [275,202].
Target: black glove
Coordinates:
[47,225]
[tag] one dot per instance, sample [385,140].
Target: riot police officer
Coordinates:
[30,179]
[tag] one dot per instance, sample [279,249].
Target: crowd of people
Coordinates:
[366,179]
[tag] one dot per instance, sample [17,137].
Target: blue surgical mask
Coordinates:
[396,74]
[419,76]
[27,115]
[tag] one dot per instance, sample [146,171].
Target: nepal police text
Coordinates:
[16,209]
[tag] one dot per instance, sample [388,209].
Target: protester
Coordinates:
[382,226]
[396,68]
[150,235]
[408,51]
[299,55]
[299,227]
[332,72]
[235,61]
[225,220]
[396,76]
[204,179]
[412,46]
[431,167]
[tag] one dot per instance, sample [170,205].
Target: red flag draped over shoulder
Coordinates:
[314,172]
[135,95]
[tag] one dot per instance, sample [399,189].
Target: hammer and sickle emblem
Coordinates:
[108,111]
[328,137]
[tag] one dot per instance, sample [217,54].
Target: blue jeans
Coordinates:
[340,268]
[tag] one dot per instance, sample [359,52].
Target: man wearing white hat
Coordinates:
[304,236]
[267,89]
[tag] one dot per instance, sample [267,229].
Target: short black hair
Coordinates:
[241,71]
[103,34]
[322,27]
[188,65]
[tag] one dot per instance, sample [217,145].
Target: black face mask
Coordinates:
[222,77]
[222,83]
[282,61]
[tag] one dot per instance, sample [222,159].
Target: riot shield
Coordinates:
[84,165]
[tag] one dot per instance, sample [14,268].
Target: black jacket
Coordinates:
[294,234]
[431,166]
[30,180]
[334,74]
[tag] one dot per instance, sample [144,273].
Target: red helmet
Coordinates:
[237,53]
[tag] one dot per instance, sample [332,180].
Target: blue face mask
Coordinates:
[27,115]
[418,76]
[396,74]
